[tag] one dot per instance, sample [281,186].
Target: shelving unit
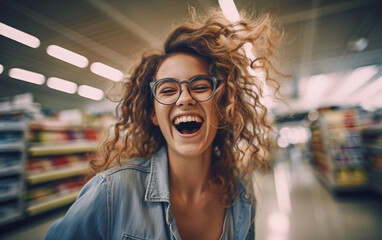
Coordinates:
[51,203]
[337,150]
[13,130]
[372,143]
[56,174]
[57,161]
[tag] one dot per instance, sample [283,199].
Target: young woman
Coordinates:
[191,131]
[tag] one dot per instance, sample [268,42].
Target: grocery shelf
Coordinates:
[374,148]
[6,171]
[11,217]
[330,183]
[13,146]
[51,203]
[372,130]
[62,148]
[64,172]
[7,196]
[10,126]
[54,125]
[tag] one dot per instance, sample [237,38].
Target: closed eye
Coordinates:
[201,88]
[168,91]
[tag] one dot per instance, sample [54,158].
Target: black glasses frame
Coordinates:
[188,82]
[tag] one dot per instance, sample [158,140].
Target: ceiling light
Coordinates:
[90,92]
[1,69]
[67,56]
[19,36]
[229,10]
[359,45]
[373,103]
[354,81]
[317,86]
[370,90]
[27,76]
[62,85]
[106,71]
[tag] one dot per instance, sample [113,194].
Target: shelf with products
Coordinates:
[372,143]
[13,131]
[62,148]
[49,195]
[58,159]
[337,150]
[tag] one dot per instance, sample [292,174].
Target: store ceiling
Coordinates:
[320,37]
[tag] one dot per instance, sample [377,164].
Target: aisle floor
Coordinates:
[292,205]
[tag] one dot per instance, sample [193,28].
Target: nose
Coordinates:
[185,97]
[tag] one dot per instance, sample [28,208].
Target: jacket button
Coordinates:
[247,196]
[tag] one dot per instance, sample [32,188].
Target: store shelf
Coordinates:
[51,203]
[372,131]
[55,125]
[374,148]
[13,146]
[330,183]
[65,172]
[62,148]
[8,196]
[11,218]
[10,170]
[11,126]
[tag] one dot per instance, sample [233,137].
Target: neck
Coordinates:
[189,176]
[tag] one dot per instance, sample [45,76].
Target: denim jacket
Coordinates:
[133,202]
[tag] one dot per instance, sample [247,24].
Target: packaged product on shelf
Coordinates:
[10,159]
[11,136]
[9,185]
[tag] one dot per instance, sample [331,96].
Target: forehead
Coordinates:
[182,66]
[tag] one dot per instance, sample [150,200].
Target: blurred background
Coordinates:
[59,58]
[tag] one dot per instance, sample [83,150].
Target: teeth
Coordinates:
[187,119]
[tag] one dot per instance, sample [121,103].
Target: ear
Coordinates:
[153,118]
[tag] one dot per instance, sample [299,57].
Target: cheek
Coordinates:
[161,113]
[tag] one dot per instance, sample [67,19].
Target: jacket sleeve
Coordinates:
[87,218]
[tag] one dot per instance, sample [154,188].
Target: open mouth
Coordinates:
[188,124]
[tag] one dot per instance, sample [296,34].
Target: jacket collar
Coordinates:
[158,189]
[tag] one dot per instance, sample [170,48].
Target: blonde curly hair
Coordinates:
[243,140]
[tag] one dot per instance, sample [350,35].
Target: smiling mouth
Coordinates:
[188,124]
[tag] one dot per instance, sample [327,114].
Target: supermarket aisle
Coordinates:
[292,205]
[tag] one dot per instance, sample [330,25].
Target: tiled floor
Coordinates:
[292,205]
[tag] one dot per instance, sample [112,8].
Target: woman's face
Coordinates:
[188,126]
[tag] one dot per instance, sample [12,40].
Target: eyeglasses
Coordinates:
[168,90]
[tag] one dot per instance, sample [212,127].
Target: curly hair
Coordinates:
[243,140]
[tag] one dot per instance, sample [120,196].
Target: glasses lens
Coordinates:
[202,88]
[167,91]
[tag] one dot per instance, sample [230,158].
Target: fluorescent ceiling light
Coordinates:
[317,86]
[27,76]
[373,103]
[62,85]
[19,36]
[90,92]
[370,90]
[354,81]
[1,69]
[67,56]
[229,10]
[106,71]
